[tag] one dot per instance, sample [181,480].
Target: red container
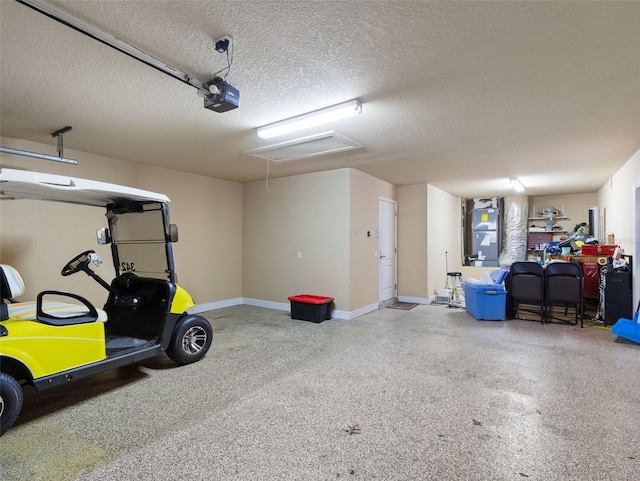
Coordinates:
[591,273]
[598,249]
[307,307]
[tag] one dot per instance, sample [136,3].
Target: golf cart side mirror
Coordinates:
[173,233]
[103,236]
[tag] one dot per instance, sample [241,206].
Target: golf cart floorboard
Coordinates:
[117,345]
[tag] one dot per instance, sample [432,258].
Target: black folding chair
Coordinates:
[525,288]
[564,286]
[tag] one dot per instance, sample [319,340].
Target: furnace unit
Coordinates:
[485,232]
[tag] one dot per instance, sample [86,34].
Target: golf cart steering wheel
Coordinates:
[77,264]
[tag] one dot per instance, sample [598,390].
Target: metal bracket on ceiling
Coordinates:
[58,133]
[60,158]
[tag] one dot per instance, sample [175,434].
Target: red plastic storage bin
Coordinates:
[307,307]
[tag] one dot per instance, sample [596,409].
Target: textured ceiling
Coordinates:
[462,95]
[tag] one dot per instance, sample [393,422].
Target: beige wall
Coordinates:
[38,238]
[235,241]
[305,213]
[619,202]
[574,206]
[365,192]
[325,216]
[242,241]
[429,222]
[616,202]
[412,241]
[443,235]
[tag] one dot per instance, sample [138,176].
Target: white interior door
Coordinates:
[387,288]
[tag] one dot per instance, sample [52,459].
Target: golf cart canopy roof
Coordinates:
[21,184]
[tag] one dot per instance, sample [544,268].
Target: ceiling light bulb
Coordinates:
[311,119]
[214,89]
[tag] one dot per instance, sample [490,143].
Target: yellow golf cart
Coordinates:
[61,337]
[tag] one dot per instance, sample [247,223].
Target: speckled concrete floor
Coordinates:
[436,395]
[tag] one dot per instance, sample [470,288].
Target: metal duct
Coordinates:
[516,212]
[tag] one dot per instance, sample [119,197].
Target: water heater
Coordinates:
[594,223]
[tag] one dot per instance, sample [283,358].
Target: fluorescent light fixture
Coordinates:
[516,184]
[305,147]
[318,117]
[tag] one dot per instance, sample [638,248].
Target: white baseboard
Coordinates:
[279,306]
[212,306]
[415,300]
[361,311]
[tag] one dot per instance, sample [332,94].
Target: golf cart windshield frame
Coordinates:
[141,239]
[138,219]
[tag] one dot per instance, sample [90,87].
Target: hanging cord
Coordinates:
[267,179]
[229,63]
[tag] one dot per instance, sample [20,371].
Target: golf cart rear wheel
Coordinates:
[191,339]
[10,401]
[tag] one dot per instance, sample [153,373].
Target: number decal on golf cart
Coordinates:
[128,267]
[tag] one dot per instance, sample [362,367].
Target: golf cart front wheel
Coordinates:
[191,339]
[10,401]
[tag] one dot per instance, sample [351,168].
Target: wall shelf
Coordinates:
[549,220]
[552,217]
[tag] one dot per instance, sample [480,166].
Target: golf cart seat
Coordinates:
[11,285]
[49,312]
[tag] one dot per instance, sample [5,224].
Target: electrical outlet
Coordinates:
[299,255]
